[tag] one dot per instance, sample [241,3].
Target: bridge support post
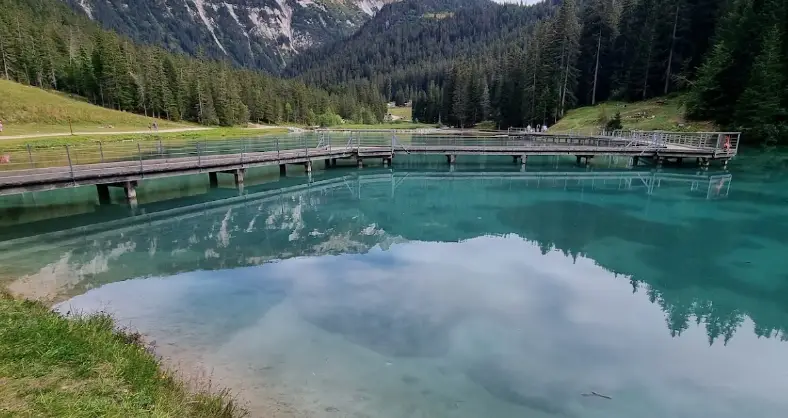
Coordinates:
[333,162]
[725,164]
[578,159]
[386,161]
[282,170]
[523,162]
[327,163]
[130,189]
[514,158]
[658,161]
[635,161]
[308,166]
[360,162]
[451,159]
[239,177]
[103,194]
[213,178]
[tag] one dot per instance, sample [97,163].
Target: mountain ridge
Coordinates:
[260,34]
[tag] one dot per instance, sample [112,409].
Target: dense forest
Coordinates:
[44,44]
[516,65]
[461,62]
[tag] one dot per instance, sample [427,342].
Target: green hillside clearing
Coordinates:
[27,110]
[663,114]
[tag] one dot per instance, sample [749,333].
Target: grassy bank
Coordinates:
[51,366]
[204,134]
[390,125]
[405,113]
[662,114]
[27,110]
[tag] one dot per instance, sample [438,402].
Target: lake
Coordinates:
[419,292]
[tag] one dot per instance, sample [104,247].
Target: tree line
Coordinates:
[44,44]
[584,53]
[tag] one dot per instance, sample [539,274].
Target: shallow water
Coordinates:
[424,293]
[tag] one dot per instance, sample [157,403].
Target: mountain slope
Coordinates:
[413,41]
[253,33]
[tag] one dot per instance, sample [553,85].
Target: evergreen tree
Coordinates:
[759,109]
[484,101]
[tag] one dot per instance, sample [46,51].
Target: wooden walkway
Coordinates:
[124,165]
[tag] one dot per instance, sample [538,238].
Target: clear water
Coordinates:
[422,293]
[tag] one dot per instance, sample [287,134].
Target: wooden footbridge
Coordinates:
[124,164]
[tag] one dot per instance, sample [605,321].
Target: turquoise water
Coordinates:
[417,292]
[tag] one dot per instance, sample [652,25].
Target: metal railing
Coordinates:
[26,160]
[718,142]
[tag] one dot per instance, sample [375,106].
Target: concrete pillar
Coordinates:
[103,194]
[385,162]
[130,189]
[282,169]
[308,166]
[725,164]
[327,163]
[579,159]
[239,176]
[333,162]
[523,162]
[451,159]
[360,162]
[213,179]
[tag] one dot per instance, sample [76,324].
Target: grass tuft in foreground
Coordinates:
[53,366]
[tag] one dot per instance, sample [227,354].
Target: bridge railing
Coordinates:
[721,142]
[32,157]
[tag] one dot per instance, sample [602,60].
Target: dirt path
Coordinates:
[144,131]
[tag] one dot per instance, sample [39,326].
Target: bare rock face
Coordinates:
[254,33]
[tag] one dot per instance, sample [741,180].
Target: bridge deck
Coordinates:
[70,167]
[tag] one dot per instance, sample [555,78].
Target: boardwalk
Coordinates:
[127,163]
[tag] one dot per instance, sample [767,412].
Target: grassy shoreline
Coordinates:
[54,366]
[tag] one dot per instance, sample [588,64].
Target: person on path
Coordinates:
[1,126]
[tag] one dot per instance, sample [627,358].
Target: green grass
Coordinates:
[392,125]
[204,134]
[664,114]
[51,366]
[27,110]
[404,112]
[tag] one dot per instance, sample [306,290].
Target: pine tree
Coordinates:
[460,102]
[759,107]
[484,101]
